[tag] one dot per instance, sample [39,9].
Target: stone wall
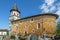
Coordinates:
[29,25]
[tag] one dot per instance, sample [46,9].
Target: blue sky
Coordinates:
[27,8]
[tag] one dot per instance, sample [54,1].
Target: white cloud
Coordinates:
[49,2]
[58,11]
[58,4]
[44,8]
[53,8]
[47,9]
[47,6]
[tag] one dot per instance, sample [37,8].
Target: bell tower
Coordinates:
[15,13]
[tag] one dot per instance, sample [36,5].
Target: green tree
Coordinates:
[58,27]
[7,32]
[58,32]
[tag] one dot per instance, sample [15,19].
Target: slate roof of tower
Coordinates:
[15,8]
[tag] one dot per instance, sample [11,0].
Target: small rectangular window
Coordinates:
[38,25]
[31,20]
[33,30]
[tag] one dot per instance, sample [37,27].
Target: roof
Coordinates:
[3,30]
[40,15]
[15,8]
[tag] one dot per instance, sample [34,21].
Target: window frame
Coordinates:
[38,25]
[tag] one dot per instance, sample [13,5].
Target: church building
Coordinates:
[36,24]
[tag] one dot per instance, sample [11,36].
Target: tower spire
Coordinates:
[15,8]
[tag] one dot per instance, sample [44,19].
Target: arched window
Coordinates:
[14,13]
[17,14]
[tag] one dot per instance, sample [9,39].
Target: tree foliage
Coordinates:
[58,32]
[58,27]
[7,32]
